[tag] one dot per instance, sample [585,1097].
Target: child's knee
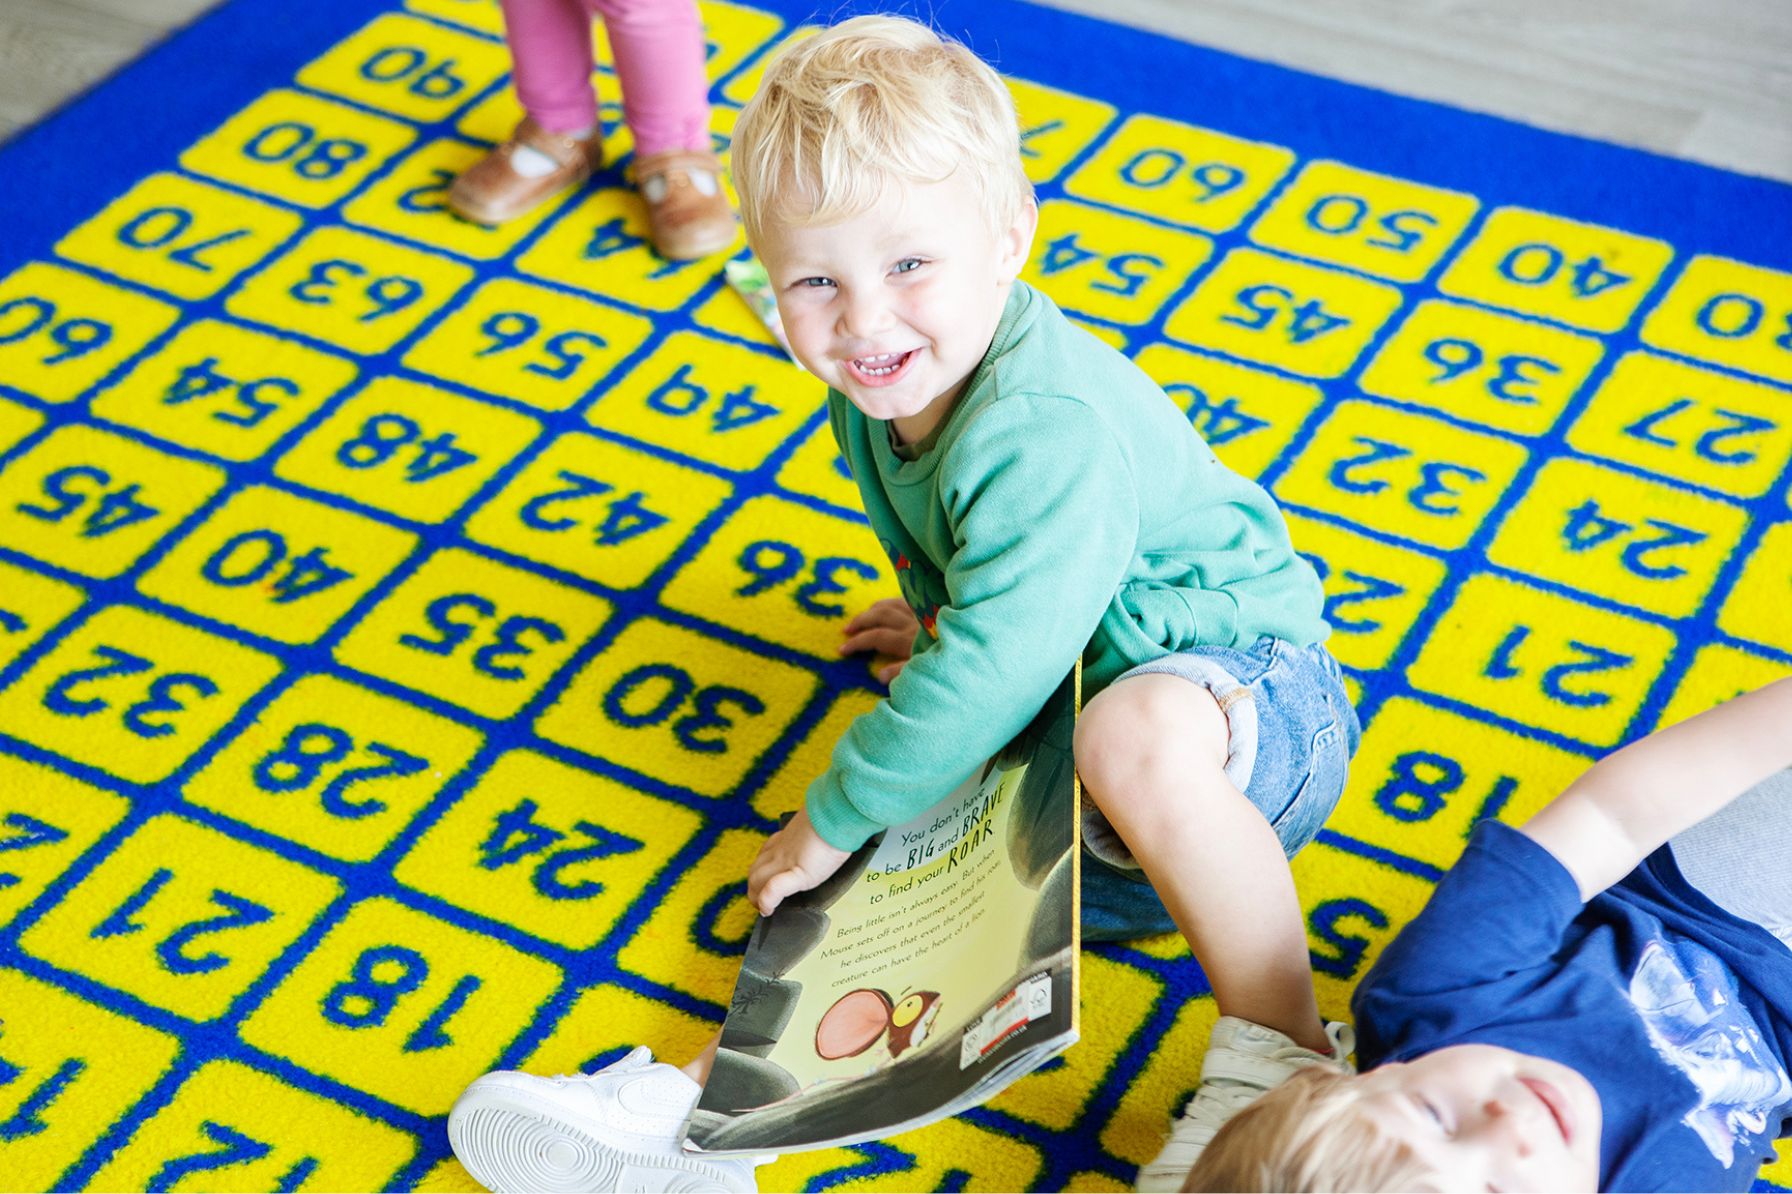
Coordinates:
[1148,733]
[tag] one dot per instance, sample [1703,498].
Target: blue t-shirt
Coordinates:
[1677,1012]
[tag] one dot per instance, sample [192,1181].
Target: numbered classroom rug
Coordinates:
[409,631]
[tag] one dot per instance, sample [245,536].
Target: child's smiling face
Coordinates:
[896,306]
[1487,1118]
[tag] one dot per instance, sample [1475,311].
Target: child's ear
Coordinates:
[1017,240]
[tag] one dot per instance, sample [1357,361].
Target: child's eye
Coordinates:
[815,283]
[906,265]
[1429,1110]
[1435,1115]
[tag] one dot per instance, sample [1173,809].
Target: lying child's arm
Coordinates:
[1630,802]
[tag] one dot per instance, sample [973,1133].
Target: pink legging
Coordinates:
[659,50]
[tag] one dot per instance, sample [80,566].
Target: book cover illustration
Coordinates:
[935,967]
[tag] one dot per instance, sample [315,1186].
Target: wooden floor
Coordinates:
[1709,80]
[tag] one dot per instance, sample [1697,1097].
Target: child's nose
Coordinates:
[863,316]
[1504,1121]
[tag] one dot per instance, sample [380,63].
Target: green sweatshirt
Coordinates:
[1067,508]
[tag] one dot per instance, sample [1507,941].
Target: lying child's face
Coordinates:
[896,306]
[1486,1118]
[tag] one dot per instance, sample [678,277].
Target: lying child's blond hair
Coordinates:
[873,100]
[1305,1136]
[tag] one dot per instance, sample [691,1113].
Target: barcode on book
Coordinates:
[1029,1001]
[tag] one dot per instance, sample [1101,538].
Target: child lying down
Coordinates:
[1599,1000]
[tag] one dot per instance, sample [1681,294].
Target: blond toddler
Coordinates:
[1043,501]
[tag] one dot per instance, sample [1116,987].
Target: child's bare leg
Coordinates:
[697,1068]
[1151,751]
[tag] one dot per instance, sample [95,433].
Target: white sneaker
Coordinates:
[1243,1060]
[621,1128]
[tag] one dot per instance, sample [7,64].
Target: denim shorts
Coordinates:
[1291,733]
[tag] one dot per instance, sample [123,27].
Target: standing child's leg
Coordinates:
[559,143]
[550,51]
[660,53]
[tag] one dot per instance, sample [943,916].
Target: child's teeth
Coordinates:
[880,365]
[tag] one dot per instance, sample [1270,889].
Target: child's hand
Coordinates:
[887,628]
[793,859]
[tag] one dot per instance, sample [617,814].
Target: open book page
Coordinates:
[938,965]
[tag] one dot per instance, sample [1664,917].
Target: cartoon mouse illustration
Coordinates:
[860,1018]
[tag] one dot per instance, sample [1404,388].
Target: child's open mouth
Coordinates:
[882,369]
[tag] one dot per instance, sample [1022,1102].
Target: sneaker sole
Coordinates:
[509,1144]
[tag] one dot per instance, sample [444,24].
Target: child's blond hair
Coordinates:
[1307,1135]
[873,100]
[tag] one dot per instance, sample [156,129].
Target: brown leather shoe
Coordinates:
[491,191]
[688,214]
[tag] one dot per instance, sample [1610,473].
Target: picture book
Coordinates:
[934,968]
